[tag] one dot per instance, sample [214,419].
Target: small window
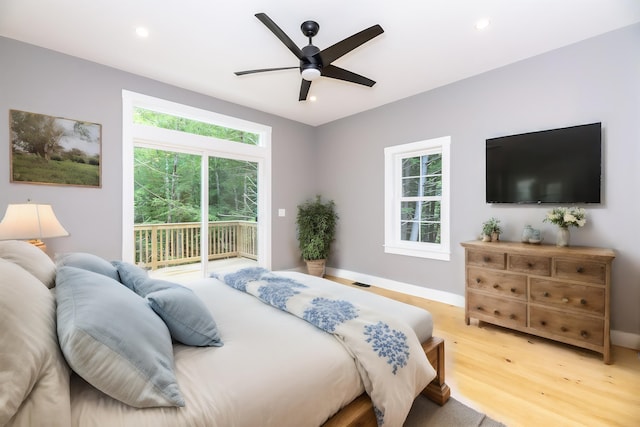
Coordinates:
[417,199]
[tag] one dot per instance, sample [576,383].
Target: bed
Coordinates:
[266,367]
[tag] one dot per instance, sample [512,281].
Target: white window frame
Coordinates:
[393,157]
[135,135]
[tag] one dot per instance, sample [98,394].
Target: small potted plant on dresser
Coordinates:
[491,230]
[316,224]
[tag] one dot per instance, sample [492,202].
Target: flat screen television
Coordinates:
[560,166]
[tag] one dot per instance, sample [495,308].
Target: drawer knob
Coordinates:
[486,259]
[513,290]
[478,280]
[584,334]
[496,312]
[545,294]
[543,323]
[583,301]
[579,270]
[563,329]
[496,286]
[565,300]
[512,316]
[479,308]
[530,265]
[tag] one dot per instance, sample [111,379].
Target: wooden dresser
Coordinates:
[556,293]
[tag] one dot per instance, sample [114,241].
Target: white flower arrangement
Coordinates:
[567,217]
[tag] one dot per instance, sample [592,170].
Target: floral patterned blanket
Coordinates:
[388,355]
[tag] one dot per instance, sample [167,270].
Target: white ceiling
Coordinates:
[198,44]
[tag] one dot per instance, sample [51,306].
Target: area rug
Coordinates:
[425,413]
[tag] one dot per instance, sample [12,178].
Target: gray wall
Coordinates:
[596,80]
[42,81]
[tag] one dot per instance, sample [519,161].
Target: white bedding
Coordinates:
[273,370]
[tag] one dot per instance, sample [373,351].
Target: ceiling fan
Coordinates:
[315,62]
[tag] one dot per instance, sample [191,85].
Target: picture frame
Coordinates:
[54,150]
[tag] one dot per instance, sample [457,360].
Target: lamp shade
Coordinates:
[30,221]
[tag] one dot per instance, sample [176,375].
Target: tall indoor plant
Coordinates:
[316,223]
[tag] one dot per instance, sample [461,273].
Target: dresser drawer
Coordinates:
[504,311]
[583,271]
[487,259]
[538,265]
[572,326]
[497,282]
[590,299]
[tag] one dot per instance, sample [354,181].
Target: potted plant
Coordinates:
[491,230]
[316,224]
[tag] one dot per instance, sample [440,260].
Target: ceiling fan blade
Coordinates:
[280,34]
[304,90]
[341,74]
[345,46]
[262,70]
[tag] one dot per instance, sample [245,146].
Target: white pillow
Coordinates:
[34,378]
[31,258]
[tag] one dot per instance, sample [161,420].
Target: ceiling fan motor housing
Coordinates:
[310,66]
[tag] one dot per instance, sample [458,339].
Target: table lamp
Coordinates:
[32,222]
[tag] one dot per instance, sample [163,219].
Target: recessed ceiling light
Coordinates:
[312,98]
[482,24]
[142,32]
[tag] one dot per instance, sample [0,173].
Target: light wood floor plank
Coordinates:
[521,380]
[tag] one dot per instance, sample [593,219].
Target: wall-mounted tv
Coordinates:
[558,166]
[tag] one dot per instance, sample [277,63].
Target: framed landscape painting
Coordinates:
[54,150]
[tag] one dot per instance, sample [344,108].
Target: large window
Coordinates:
[417,199]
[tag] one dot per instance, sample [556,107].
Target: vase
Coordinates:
[527,233]
[562,238]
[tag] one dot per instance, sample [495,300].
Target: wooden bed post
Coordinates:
[437,390]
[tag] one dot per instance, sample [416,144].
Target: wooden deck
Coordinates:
[174,244]
[190,272]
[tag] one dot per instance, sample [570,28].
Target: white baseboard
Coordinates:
[625,339]
[405,288]
[618,338]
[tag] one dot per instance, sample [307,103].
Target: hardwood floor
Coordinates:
[522,380]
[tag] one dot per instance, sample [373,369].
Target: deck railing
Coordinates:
[163,245]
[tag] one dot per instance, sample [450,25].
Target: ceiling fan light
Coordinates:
[310,74]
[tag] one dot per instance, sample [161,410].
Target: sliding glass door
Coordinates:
[168,211]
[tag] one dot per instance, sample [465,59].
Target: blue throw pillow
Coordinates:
[87,261]
[129,274]
[138,280]
[187,317]
[112,339]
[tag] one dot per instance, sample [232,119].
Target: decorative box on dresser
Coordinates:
[552,292]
